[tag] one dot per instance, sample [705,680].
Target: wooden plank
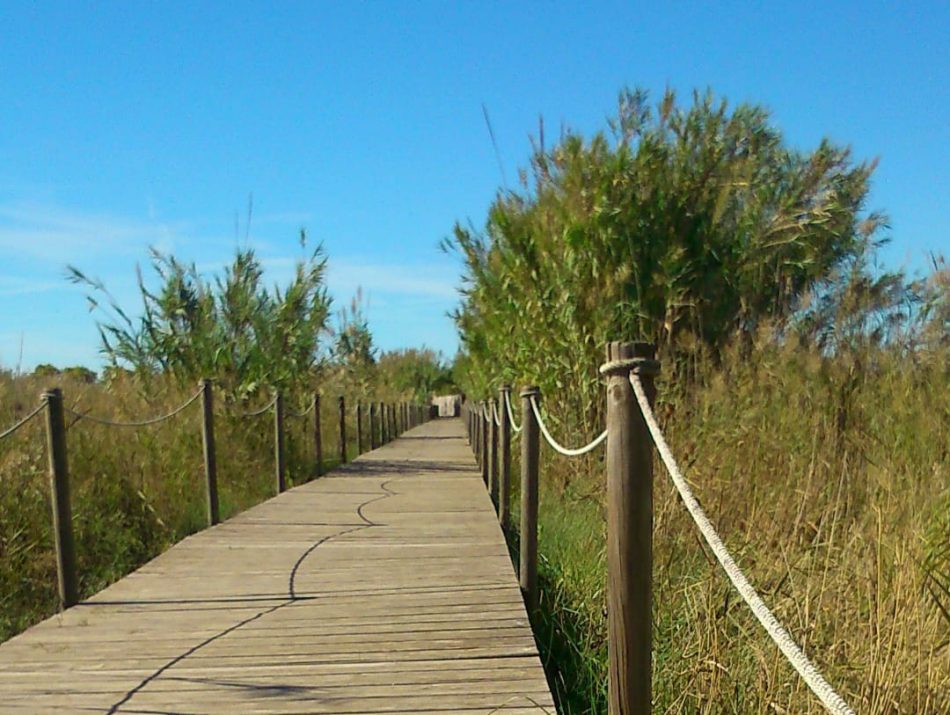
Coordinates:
[384,587]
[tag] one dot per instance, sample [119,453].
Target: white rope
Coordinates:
[257,413]
[819,686]
[304,413]
[140,423]
[557,447]
[511,417]
[495,415]
[10,430]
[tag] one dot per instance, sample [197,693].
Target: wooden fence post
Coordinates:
[359,428]
[317,435]
[479,423]
[211,463]
[392,420]
[280,466]
[504,488]
[382,426]
[486,436]
[493,454]
[372,426]
[62,512]
[342,430]
[530,453]
[629,464]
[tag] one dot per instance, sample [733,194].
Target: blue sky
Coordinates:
[125,125]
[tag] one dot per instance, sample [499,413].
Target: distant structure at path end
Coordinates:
[448,405]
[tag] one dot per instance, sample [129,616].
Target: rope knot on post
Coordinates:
[636,365]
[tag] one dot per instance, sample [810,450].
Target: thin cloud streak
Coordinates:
[345,276]
[429,280]
[51,233]
[19,285]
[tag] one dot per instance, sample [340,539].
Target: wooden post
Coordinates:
[211,464]
[342,430]
[493,453]
[473,430]
[62,512]
[317,436]
[359,428]
[280,466]
[392,421]
[504,487]
[372,425]
[379,424]
[530,448]
[480,426]
[486,436]
[629,464]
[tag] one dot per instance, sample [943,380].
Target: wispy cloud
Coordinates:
[23,285]
[436,280]
[55,234]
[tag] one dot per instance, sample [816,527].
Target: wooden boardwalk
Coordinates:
[384,587]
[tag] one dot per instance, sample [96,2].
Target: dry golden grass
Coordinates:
[830,481]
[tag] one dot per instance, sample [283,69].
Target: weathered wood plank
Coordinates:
[384,587]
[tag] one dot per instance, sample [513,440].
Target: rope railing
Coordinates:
[391,423]
[302,413]
[790,649]
[495,416]
[629,370]
[258,413]
[23,420]
[140,423]
[511,418]
[559,448]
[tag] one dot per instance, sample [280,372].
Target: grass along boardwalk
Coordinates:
[385,586]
